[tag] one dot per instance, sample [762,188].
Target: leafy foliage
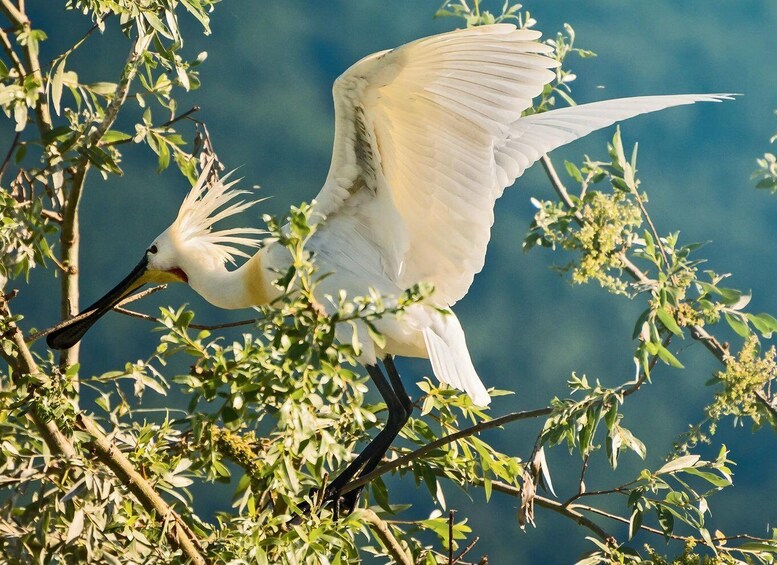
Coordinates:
[276,411]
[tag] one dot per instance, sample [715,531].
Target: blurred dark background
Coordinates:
[266,98]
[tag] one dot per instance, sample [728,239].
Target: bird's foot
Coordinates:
[341,504]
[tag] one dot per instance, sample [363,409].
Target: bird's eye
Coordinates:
[153,249]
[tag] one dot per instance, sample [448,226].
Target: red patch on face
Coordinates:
[178,272]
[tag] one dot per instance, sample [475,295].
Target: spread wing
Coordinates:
[427,137]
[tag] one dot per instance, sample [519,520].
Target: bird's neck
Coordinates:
[249,285]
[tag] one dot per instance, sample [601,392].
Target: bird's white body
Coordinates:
[427,138]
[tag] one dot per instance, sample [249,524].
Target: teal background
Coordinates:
[266,98]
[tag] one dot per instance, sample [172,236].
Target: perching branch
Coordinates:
[445,440]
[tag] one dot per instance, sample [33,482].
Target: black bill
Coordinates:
[72,332]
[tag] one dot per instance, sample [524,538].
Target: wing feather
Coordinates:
[428,136]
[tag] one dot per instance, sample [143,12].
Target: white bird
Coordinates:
[428,136]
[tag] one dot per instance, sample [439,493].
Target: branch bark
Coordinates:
[23,364]
[8,47]
[400,461]
[70,235]
[383,531]
[178,532]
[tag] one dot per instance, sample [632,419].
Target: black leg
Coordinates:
[397,417]
[396,382]
[350,498]
[399,409]
[407,404]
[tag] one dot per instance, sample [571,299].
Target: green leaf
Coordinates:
[164,156]
[668,320]
[764,323]
[737,324]
[56,84]
[665,520]
[157,24]
[758,546]
[678,464]
[712,478]
[635,521]
[114,136]
[668,358]
[705,534]
[573,171]
[101,159]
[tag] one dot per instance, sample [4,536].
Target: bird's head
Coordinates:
[184,251]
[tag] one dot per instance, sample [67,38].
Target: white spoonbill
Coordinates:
[427,137]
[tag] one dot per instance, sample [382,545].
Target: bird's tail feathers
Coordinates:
[451,363]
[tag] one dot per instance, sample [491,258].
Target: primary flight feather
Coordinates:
[427,137]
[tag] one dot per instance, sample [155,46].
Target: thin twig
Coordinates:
[466,550]
[51,215]
[621,519]
[697,332]
[385,535]
[122,89]
[8,46]
[768,405]
[581,482]
[146,317]
[177,531]
[9,154]
[450,536]
[23,365]
[556,507]
[167,124]
[625,389]
[651,225]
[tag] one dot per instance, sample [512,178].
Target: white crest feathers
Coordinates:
[208,203]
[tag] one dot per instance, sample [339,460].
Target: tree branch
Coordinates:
[697,332]
[178,532]
[146,317]
[23,364]
[557,507]
[69,237]
[383,531]
[8,46]
[14,15]
[9,154]
[420,452]
[120,96]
